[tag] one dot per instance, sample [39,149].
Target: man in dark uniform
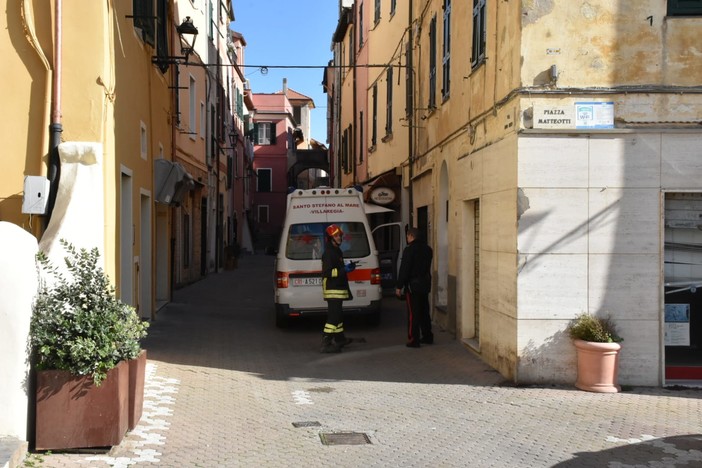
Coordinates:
[335,288]
[415,279]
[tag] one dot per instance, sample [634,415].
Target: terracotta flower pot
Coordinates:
[598,366]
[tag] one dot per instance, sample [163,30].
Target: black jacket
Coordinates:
[415,269]
[335,284]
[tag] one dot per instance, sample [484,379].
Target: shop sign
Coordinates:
[382,195]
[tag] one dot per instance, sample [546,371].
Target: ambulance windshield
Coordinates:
[305,241]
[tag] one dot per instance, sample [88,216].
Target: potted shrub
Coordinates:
[84,341]
[597,345]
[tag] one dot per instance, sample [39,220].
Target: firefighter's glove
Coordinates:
[349,267]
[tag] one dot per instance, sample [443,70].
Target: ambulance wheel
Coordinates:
[281,320]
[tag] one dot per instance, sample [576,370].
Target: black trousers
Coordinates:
[418,318]
[335,317]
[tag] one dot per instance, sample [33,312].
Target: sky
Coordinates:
[289,33]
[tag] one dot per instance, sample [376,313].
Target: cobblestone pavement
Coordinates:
[226,388]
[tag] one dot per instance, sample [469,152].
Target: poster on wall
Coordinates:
[677,325]
[594,115]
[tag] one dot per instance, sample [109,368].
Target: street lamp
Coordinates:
[187,33]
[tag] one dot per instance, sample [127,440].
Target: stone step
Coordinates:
[12,452]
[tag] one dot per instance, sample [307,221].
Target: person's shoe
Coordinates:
[328,345]
[341,341]
[427,340]
[413,344]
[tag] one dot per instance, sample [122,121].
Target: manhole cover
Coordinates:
[344,438]
[306,424]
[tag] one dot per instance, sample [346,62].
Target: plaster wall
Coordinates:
[18,287]
[608,42]
[387,41]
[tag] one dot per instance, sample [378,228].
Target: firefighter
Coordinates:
[335,288]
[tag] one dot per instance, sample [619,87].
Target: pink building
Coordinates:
[273,126]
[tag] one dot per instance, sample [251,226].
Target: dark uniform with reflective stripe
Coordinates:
[335,287]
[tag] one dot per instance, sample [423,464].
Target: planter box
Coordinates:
[71,412]
[137,376]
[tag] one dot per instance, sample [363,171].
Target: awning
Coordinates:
[373,209]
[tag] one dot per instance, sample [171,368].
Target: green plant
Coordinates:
[78,324]
[588,327]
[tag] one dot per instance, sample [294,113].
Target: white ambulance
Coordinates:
[298,264]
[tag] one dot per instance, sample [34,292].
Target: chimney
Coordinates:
[285,86]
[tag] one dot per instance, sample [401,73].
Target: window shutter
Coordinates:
[273,135]
[255,133]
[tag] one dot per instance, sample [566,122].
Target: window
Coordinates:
[186,240]
[192,108]
[154,33]
[230,170]
[263,180]
[377,12]
[432,63]
[345,151]
[361,138]
[446,76]
[388,103]
[264,133]
[684,7]
[479,33]
[306,241]
[360,25]
[263,214]
[143,141]
[409,103]
[374,126]
[203,116]
[143,20]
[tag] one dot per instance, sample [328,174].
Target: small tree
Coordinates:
[78,324]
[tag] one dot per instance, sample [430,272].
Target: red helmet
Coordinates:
[332,230]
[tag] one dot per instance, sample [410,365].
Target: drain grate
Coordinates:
[344,438]
[306,424]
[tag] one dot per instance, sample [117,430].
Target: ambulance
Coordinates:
[298,264]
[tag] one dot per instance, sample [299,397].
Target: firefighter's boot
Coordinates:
[340,340]
[328,345]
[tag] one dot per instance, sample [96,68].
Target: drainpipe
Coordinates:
[55,127]
[410,128]
[355,106]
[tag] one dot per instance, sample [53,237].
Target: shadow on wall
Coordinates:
[552,361]
[684,450]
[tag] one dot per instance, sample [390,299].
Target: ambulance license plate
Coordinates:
[307,281]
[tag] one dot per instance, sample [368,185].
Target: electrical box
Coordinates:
[36,195]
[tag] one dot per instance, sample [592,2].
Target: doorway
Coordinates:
[683,288]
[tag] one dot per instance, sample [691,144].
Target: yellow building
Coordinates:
[94,113]
[554,165]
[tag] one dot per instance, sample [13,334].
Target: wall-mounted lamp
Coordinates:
[187,32]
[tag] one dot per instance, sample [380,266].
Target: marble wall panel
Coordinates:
[556,221]
[624,221]
[553,162]
[625,161]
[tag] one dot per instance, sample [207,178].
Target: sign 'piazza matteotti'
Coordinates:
[382,195]
[580,115]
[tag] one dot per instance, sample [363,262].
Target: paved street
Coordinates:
[226,388]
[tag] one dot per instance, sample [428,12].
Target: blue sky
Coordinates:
[289,33]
